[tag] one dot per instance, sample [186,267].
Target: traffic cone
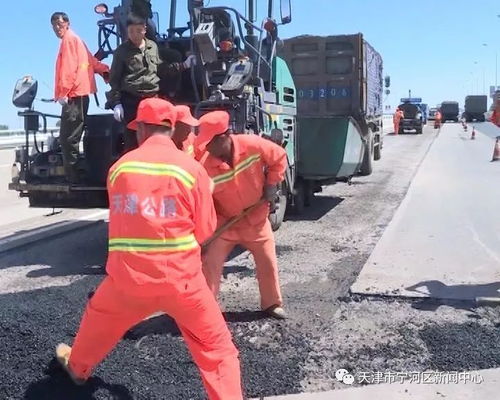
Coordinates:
[473,135]
[496,151]
[465,128]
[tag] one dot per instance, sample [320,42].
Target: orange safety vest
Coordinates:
[75,68]
[239,186]
[161,209]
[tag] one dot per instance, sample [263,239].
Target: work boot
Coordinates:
[276,312]
[63,352]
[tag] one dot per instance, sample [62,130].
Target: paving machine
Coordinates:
[237,70]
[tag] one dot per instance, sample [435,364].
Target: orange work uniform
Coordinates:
[495,117]
[398,116]
[437,120]
[184,115]
[161,208]
[237,187]
[75,68]
[74,81]
[188,145]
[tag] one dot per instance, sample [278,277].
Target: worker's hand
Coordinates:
[118,112]
[190,61]
[270,192]
[105,77]
[63,101]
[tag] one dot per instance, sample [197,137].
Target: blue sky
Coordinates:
[436,50]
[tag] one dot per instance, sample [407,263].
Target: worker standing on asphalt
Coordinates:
[161,208]
[184,136]
[236,165]
[437,120]
[134,75]
[74,82]
[398,116]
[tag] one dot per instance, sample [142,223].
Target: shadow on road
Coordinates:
[165,325]
[240,270]
[160,325]
[58,386]
[457,296]
[320,206]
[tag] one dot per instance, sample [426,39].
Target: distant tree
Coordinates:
[4,127]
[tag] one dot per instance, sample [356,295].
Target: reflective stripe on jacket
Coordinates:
[161,209]
[257,162]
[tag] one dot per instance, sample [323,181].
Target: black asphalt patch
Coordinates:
[462,347]
[151,362]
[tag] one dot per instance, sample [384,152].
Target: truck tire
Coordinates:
[377,149]
[298,199]
[367,164]
[419,130]
[277,217]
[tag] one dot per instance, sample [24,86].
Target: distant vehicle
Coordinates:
[413,118]
[432,113]
[475,108]
[449,111]
[425,112]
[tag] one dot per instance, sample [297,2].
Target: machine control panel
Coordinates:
[238,75]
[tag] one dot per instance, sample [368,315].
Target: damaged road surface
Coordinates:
[44,288]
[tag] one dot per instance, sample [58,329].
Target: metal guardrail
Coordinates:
[16,137]
[20,132]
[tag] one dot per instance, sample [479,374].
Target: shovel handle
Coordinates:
[230,223]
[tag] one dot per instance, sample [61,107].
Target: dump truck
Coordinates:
[340,84]
[449,111]
[475,108]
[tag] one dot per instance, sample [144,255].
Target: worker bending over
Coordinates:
[161,208]
[183,134]
[236,165]
[398,116]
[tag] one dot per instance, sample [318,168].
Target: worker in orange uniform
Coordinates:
[437,119]
[495,117]
[74,82]
[398,116]
[183,134]
[236,165]
[161,208]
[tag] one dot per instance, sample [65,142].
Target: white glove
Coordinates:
[63,101]
[118,112]
[190,61]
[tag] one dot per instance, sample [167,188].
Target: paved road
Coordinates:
[16,217]
[44,287]
[13,207]
[444,241]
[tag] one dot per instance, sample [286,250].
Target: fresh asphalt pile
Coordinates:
[320,256]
